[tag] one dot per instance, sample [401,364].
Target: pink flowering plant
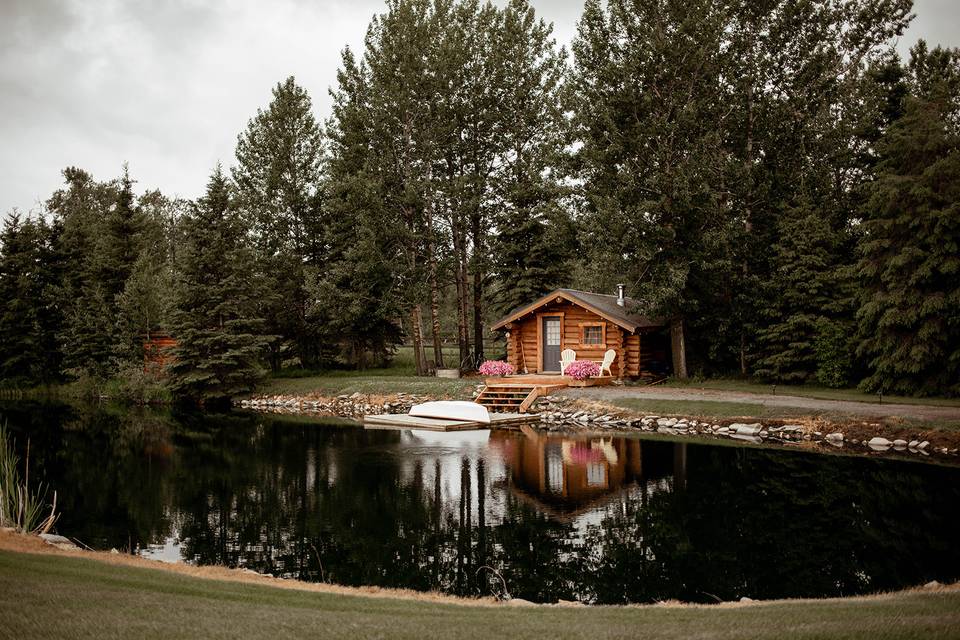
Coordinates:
[582,369]
[496,368]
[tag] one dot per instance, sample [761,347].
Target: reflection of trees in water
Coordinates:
[355,507]
[108,466]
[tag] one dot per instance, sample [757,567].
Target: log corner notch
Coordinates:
[678,348]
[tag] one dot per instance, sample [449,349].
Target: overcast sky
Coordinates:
[167,85]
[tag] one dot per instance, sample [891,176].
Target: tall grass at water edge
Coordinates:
[21,508]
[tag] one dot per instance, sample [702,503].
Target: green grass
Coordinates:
[400,376]
[805,391]
[50,596]
[367,382]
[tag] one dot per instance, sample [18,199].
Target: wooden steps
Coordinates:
[508,398]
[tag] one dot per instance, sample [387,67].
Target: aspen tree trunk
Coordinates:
[463,333]
[678,349]
[435,309]
[434,283]
[748,223]
[416,324]
[478,247]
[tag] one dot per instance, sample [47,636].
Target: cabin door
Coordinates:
[551,343]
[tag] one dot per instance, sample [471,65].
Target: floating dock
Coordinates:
[402,421]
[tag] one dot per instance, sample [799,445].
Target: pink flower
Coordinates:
[496,368]
[582,369]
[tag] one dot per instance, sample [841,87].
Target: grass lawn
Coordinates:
[399,376]
[805,391]
[54,596]
[371,382]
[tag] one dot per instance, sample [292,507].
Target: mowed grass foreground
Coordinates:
[49,596]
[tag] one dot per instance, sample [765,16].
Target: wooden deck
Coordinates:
[549,382]
[402,421]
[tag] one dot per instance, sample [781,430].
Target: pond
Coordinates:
[601,520]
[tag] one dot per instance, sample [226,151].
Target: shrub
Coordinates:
[135,386]
[496,368]
[834,353]
[582,369]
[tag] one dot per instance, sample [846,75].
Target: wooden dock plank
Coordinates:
[402,421]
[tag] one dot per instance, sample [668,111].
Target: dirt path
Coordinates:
[858,409]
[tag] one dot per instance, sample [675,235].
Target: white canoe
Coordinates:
[452,410]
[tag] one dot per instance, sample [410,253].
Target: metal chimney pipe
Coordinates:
[620,297]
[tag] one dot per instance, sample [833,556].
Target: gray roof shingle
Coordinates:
[603,304]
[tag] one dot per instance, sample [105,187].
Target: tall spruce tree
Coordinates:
[535,239]
[120,240]
[354,298]
[648,111]
[89,335]
[278,173]
[811,304]
[26,328]
[910,250]
[220,345]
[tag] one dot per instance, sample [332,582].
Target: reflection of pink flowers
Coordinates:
[583,454]
[582,369]
[496,368]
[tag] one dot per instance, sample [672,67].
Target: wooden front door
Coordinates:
[551,347]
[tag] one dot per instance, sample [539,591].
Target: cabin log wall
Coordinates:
[525,334]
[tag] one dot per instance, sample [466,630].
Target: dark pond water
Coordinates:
[599,520]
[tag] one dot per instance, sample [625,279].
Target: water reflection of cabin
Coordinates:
[589,324]
[566,476]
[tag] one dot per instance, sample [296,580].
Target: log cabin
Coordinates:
[590,324]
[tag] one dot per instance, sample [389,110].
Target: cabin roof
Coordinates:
[601,304]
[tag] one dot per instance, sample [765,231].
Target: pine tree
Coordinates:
[354,297]
[278,172]
[536,239]
[219,337]
[910,252]
[120,242]
[79,212]
[648,107]
[811,295]
[21,289]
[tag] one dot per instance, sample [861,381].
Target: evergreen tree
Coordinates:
[811,296]
[219,337]
[910,250]
[79,211]
[101,233]
[24,327]
[278,172]
[120,242]
[648,109]
[536,239]
[354,298]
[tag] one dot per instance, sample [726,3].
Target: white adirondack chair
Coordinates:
[608,359]
[567,356]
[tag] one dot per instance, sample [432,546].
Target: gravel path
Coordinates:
[865,409]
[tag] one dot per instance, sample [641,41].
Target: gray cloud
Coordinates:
[168,84]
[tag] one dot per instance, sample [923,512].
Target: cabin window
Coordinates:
[596,475]
[554,469]
[593,334]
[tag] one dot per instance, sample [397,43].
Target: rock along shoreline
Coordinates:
[561,414]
